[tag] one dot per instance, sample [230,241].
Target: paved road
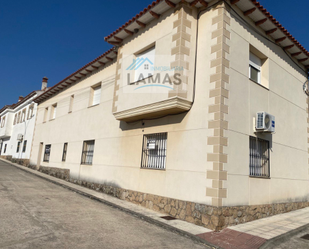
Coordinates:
[292,242]
[35,213]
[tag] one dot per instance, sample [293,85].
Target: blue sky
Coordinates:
[55,38]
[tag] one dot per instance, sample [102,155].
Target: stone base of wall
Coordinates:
[23,162]
[215,218]
[56,172]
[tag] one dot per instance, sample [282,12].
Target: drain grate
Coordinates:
[306,236]
[168,218]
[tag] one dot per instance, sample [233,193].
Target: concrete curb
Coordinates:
[283,237]
[111,204]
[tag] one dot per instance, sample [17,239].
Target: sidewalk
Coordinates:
[255,234]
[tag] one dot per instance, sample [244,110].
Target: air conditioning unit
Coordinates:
[20,137]
[264,122]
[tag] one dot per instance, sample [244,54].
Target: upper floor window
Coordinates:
[18,117]
[15,119]
[53,111]
[144,64]
[154,151]
[45,114]
[30,111]
[2,122]
[95,95]
[255,65]
[23,115]
[71,103]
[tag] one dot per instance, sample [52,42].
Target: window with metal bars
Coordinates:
[154,151]
[25,146]
[87,154]
[259,157]
[18,145]
[47,153]
[64,153]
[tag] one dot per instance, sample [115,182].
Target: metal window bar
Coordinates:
[154,151]
[25,146]
[47,153]
[87,154]
[64,153]
[259,157]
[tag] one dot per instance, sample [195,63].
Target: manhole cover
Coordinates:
[168,218]
[306,236]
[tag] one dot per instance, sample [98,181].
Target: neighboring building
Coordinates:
[17,123]
[166,119]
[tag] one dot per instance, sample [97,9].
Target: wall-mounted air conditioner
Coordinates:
[264,122]
[20,137]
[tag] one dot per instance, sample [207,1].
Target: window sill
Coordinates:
[45,161]
[153,169]
[259,84]
[84,164]
[261,177]
[93,105]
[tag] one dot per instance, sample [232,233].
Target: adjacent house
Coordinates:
[17,123]
[198,111]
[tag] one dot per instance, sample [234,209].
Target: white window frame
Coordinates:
[256,63]
[96,95]
[143,59]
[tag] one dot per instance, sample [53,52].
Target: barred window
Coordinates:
[259,157]
[18,145]
[25,146]
[64,153]
[47,153]
[87,154]
[154,151]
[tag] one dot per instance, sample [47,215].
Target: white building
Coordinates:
[17,123]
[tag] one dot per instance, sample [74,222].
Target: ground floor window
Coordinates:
[87,154]
[47,152]
[64,153]
[4,151]
[25,146]
[154,151]
[259,157]
[18,145]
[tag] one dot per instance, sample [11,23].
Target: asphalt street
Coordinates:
[35,213]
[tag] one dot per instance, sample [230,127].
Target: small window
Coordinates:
[4,150]
[144,64]
[30,111]
[53,111]
[47,153]
[255,65]
[259,157]
[2,122]
[87,154]
[64,153]
[15,119]
[18,118]
[23,115]
[45,114]
[154,151]
[71,103]
[25,146]
[95,95]
[18,146]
